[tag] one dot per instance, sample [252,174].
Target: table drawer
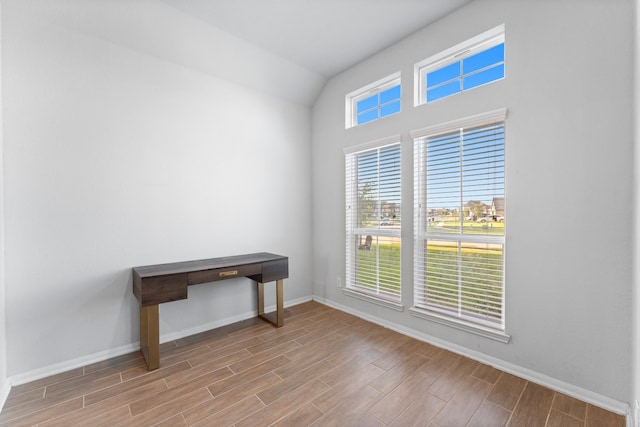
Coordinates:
[156,290]
[224,273]
[275,270]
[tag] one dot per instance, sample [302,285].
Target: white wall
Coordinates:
[635,400]
[4,383]
[115,158]
[569,186]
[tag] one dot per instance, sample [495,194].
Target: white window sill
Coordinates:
[375,300]
[461,325]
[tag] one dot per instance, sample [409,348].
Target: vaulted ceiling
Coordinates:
[284,48]
[324,36]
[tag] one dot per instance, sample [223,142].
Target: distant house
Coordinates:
[497,206]
[475,209]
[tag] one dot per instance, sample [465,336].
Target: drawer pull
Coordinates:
[228,273]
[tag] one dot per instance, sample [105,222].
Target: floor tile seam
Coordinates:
[284,416]
[45,382]
[217,349]
[484,381]
[310,380]
[182,383]
[319,410]
[165,365]
[186,395]
[546,421]
[408,377]
[276,356]
[7,404]
[118,395]
[200,365]
[11,397]
[568,415]
[83,385]
[162,420]
[555,395]
[367,412]
[460,387]
[432,421]
[41,410]
[289,331]
[237,404]
[513,411]
[237,385]
[493,388]
[404,360]
[587,417]
[117,367]
[274,347]
[326,359]
[583,420]
[201,347]
[488,402]
[46,407]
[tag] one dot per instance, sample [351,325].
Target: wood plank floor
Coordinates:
[323,368]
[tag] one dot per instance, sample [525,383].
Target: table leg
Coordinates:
[150,335]
[260,299]
[279,315]
[279,303]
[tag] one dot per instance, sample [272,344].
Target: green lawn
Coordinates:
[468,279]
[452,225]
[389,269]
[473,279]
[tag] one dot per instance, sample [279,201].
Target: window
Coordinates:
[374,101]
[459,221]
[470,64]
[373,219]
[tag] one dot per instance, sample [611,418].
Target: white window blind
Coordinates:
[373,221]
[459,223]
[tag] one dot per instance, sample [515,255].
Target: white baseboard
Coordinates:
[595,399]
[4,392]
[68,365]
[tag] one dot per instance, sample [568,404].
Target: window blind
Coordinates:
[459,223]
[373,221]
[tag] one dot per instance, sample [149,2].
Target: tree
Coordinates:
[366,204]
[476,208]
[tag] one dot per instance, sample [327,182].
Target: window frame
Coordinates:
[352,98]
[353,229]
[493,330]
[457,53]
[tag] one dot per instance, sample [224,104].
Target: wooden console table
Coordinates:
[157,284]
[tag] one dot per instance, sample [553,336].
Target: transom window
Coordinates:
[465,66]
[459,221]
[374,101]
[373,219]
